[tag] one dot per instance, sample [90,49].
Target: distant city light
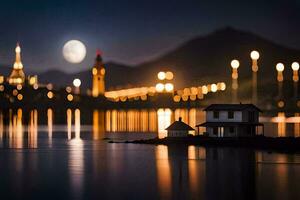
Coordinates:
[77,82]
[204,89]
[70,97]
[169,87]
[254,55]
[295,66]
[169,75]
[20,97]
[15,92]
[159,87]
[68,89]
[50,95]
[94,71]
[280,104]
[19,87]
[161,75]
[280,67]
[235,64]
[35,86]
[213,87]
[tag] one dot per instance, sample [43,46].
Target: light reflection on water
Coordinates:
[84,168]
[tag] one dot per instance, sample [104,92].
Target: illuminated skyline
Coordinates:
[131,33]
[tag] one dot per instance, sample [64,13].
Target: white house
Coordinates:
[232,120]
[179,129]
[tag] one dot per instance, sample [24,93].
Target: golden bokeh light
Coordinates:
[1,88]
[77,82]
[169,75]
[161,75]
[20,97]
[159,87]
[19,87]
[280,67]
[70,97]
[50,95]
[169,87]
[295,66]
[214,87]
[176,98]
[280,104]
[235,64]
[254,55]
[15,92]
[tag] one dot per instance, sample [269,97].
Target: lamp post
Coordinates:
[235,65]
[280,68]
[77,83]
[254,56]
[295,68]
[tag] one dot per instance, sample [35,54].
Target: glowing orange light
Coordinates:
[19,87]
[1,88]
[280,104]
[204,89]
[20,97]
[15,92]
[70,97]
[169,75]
[94,71]
[50,95]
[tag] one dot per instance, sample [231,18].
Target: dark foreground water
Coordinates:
[78,166]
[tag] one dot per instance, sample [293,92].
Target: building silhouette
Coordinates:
[98,73]
[17,75]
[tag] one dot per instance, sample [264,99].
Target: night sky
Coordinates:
[131,31]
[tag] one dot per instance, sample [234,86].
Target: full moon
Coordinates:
[74,51]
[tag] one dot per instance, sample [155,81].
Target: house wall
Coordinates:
[177,133]
[240,131]
[223,117]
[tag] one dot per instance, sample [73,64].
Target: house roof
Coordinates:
[231,107]
[226,124]
[179,126]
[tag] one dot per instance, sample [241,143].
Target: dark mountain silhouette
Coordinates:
[116,76]
[201,60]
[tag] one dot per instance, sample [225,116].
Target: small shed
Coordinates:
[179,129]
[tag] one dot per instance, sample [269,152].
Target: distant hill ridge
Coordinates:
[200,60]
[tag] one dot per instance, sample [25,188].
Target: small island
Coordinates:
[227,125]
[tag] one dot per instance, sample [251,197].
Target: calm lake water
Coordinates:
[44,157]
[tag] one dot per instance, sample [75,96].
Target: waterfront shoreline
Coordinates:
[285,144]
